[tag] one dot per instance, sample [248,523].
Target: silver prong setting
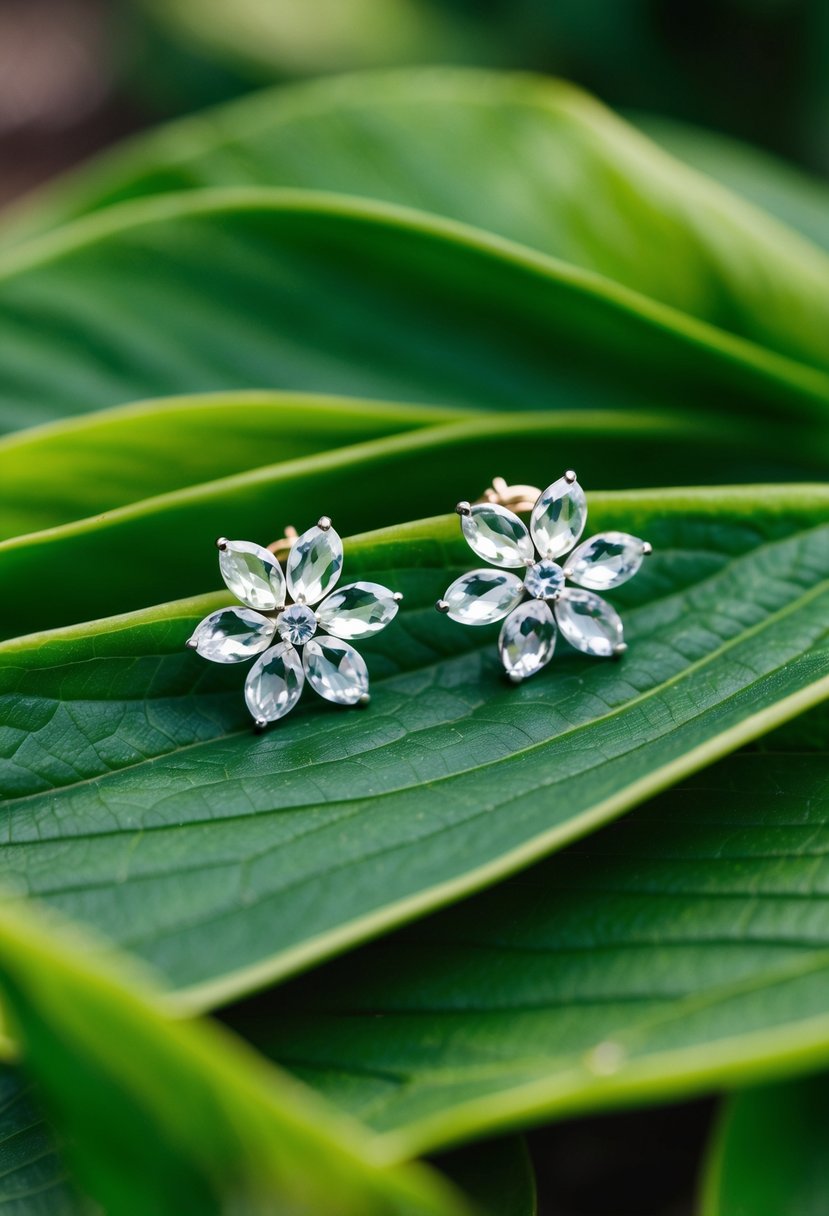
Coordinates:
[191,644]
[647,548]
[464,508]
[323,523]
[398,597]
[514,677]
[442,606]
[221,543]
[570,476]
[619,650]
[259,725]
[365,700]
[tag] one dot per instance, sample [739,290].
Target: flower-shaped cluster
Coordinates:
[537,604]
[313,644]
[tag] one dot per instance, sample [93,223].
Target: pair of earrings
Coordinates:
[301,625]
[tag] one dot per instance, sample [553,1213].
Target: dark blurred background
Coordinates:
[76,75]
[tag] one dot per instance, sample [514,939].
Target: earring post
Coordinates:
[516,498]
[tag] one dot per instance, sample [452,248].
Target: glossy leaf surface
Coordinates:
[138,800]
[302,292]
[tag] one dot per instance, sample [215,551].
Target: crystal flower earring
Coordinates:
[537,604]
[314,643]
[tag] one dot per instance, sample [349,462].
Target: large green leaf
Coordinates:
[684,947]
[166,1117]
[314,293]
[542,164]
[93,561]
[769,1156]
[139,800]
[82,466]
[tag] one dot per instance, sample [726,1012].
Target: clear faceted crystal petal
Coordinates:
[314,564]
[589,623]
[232,635]
[357,610]
[558,518]
[528,639]
[606,560]
[336,670]
[483,596]
[253,575]
[497,535]
[274,683]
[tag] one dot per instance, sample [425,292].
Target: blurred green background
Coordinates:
[77,74]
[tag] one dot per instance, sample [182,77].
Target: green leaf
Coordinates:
[313,293]
[789,194]
[769,1155]
[682,948]
[93,560]
[33,1179]
[543,164]
[83,466]
[176,1118]
[139,800]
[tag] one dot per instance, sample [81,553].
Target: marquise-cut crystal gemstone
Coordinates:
[528,639]
[606,560]
[497,535]
[314,564]
[297,624]
[483,596]
[274,683]
[544,580]
[336,670]
[253,575]
[558,518]
[357,610]
[232,635]
[589,623]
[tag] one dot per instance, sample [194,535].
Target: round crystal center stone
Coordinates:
[544,580]
[297,624]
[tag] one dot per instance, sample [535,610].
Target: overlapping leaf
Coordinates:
[684,947]
[543,164]
[138,799]
[173,1118]
[94,561]
[279,289]
[83,466]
